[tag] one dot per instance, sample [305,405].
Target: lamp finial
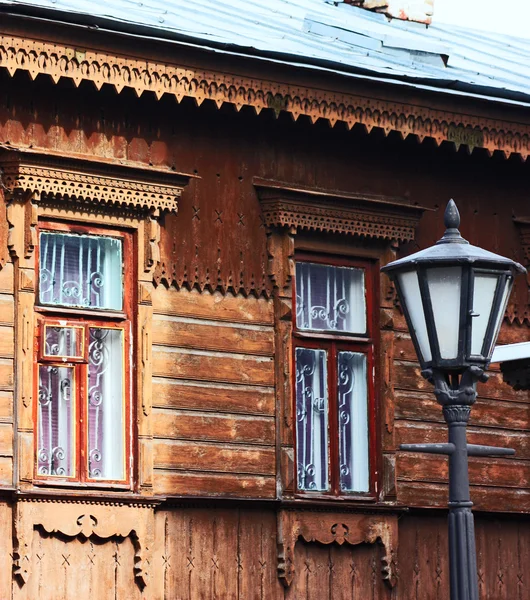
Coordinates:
[452,223]
[451,216]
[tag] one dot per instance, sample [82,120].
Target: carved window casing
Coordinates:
[342,230]
[333,344]
[116,208]
[68,205]
[83,354]
[338,230]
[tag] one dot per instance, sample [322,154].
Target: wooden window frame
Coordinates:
[366,344]
[71,316]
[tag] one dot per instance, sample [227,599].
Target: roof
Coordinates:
[509,352]
[316,34]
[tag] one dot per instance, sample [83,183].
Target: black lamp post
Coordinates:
[454,296]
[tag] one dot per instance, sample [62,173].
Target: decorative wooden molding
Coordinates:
[72,518]
[518,310]
[523,226]
[30,180]
[20,208]
[146,360]
[280,251]
[335,528]
[152,241]
[41,175]
[59,60]
[313,209]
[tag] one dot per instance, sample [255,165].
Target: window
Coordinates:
[334,365]
[83,355]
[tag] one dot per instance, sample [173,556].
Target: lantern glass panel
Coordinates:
[505,295]
[445,284]
[411,297]
[484,286]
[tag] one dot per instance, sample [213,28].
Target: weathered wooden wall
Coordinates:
[216,553]
[500,417]
[214,418]
[213,394]
[7,340]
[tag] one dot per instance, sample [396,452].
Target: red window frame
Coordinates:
[66,316]
[366,344]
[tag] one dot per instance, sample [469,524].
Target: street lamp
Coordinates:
[454,296]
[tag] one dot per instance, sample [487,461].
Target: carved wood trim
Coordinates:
[336,528]
[518,310]
[313,209]
[36,185]
[71,179]
[140,74]
[85,518]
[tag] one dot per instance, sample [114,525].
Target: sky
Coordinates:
[510,17]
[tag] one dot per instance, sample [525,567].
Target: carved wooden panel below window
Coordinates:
[73,518]
[336,528]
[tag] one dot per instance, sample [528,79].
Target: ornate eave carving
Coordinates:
[311,209]
[41,175]
[100,67]
[336,527]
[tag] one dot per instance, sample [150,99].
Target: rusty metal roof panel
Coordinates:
[316,34]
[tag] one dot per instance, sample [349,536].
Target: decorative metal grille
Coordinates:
[63,341]
[56,414]
[353,422]
[330,298]
[312,419]
[105,404]
[80,270]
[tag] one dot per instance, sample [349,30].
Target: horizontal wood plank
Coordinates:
[174,483]
[6,279]
[206,336]
[188,425]
[204,366]
[497,472]
[422,406]
[403,347]
[408,432]
[6,471]
[513,333]
[227,307]
[6,439]
[6,374]
[195,456]
[173,393]
[7,341]
[421,495]
[6,406]
[7,309]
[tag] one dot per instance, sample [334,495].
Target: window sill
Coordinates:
[88,496]
[368,503]
[81,312]
[81,486]
[306,334]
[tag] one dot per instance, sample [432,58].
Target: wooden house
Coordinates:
[204,379]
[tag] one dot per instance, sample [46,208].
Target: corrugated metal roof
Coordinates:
[317,33]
